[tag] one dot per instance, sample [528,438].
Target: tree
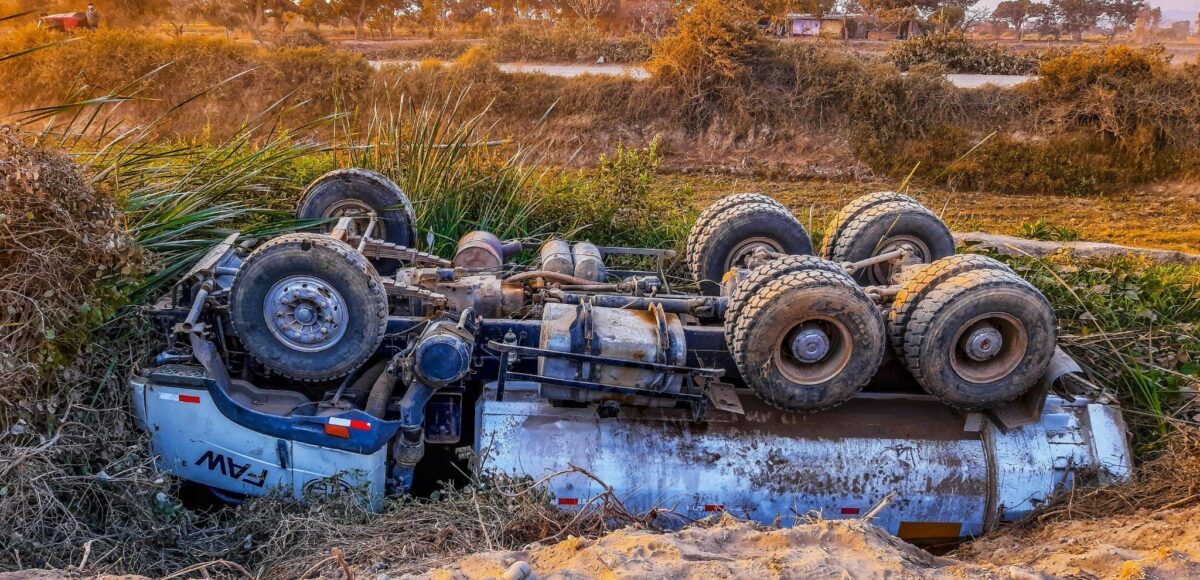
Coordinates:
[1046,20]
[1078,16]
[590,10]
[317,12]
[1121,13]
[1014,12]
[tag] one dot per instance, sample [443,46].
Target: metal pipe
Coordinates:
[409,446]
[547,274]
[362,244]
[852,267]
[713,304]
[198,304]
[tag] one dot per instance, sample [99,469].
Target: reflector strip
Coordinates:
[714,507]
[337,431]
[850,511]
[179,398]
[568,501]
[351,423]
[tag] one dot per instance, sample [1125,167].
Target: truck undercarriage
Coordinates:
[888,376]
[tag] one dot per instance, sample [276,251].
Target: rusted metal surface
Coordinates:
[634,335]
[947,470]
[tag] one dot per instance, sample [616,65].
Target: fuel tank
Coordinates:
[945,474]
[626,334]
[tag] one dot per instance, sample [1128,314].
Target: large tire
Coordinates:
[308,307]
[851,211]
[767,346]
[356,192]
[714,211]
[914,289]
[711,215]
[766,273]
[940,333]
[888,226]
[726,242]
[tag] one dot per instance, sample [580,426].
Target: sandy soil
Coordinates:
[1143,545]
[827,549]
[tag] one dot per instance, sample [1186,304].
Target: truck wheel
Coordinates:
[713,212]
[808,340]
[730,240]
[914,289]
[308,307]
[352,192]
[765,274]
[851,211]
[980,339]
[887,227]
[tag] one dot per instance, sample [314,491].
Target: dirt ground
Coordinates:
[1161,216]
[1145,545]
[826,549]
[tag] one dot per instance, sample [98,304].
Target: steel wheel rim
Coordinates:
[356,208]
[1006,359]
[305,313]
[746,248]
[828,366]
[881,274]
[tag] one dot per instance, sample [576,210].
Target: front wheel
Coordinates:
[357,193]
[308,307]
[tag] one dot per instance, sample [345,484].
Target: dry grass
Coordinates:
[65,254]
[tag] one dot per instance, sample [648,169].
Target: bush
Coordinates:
[127,63]
[960,54]
[66,253]
[303,37]
[527,40]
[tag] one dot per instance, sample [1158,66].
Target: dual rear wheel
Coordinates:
[806,337]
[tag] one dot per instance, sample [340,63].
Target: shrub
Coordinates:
[709,55]
[527,40]
[164,72]
[303,37]
[66,251]
[959,54]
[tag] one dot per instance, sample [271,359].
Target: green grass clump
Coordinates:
[1135,326]
[1044,230]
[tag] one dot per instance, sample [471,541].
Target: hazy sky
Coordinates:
[1189,6]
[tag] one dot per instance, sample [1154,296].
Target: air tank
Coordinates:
[589,262]
[556,257]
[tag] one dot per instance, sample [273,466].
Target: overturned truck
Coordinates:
[888,376]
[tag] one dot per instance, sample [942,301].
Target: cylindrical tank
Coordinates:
[556,257]
[589,262]
[481,250]
[949,474]
[626,334]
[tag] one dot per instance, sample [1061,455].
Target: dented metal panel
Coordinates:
[771,464]
[193,440]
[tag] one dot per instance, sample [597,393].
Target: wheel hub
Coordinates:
[983,343]
[305,313]
[810,345]
[746,249]
[357,209]
[988,347]
[883,273]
